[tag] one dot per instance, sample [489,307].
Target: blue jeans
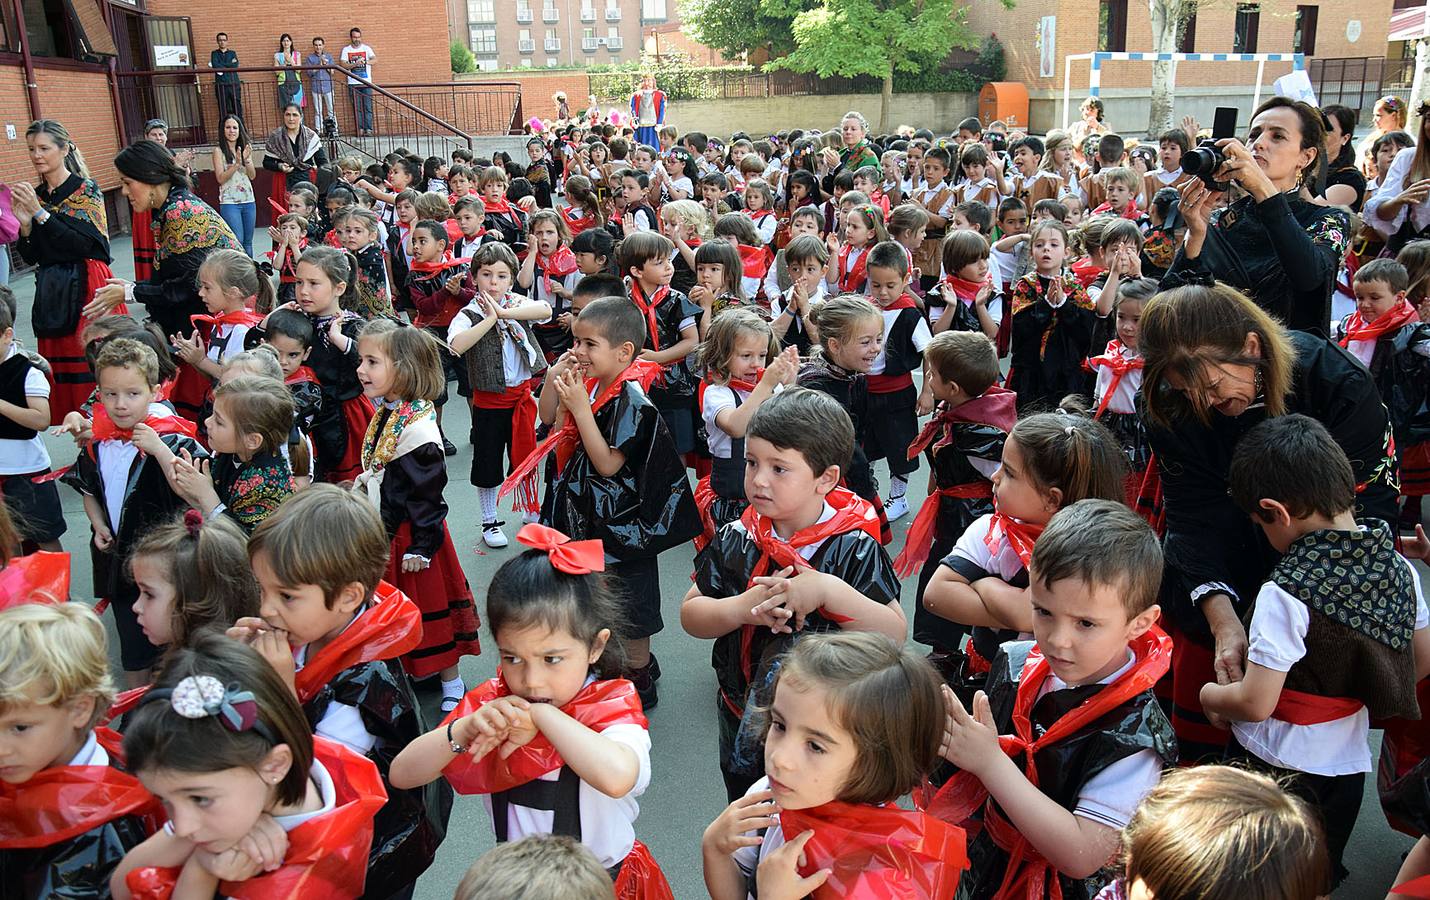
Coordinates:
[362,105]
[241,218]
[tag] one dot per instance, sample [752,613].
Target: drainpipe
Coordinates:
[32,88]
[119,129]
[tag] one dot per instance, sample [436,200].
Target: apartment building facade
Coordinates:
[512,34]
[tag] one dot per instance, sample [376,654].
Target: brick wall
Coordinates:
[537,87]
[90,120]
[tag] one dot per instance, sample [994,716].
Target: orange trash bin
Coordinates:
[1006,100]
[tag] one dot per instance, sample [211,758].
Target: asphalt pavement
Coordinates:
[686,791]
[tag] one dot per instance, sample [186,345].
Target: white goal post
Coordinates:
[1297,60]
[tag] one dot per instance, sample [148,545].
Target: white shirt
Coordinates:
[1277,641]
[683,183]
[323,781]
[90,753]
[1004,563]
[765,228]
[920,337]
[516,367]
[1390,188]
[342,722]
[116,458]
[718,398]
[1124,399]
[362,52]
[226,341]
[780,302]
[19,456]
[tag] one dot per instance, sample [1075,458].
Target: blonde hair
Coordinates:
[1122,175]
[432,205]
[690,214]
[258,405]
[1222,833]
[51,654]
[416,358]
[261,361]
[837,317]
[537,866]
[323,536]
[1057,139]
[726,331]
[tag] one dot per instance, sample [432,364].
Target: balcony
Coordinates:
[550,14]
[613,14]
[523,15]
[526,46]
[589,44]
[553,45]
[588,14]
[615,44]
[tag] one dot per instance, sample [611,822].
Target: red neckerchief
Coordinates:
[331,239]
[498,207]
[63,802]
[878,851]
[304,375]
[1130,211]
[961,288]
[1358,329]
[754,261]
[39,577]
[560,264]
[327,855]
[279,209]
[905,301]
[578,223]
[446,262]
[598,706]
[648,308]
[1028,873]
[565,441]
[239,317]
[104,428]
[1019,535]
[1119,365]
[388,628]
[851,513]
[1085,271]
[759,215]
[733,384]
[995,406]
[851,281]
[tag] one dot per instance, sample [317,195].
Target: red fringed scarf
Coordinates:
[578,219]
[302,376]
[240,317]
[523,439]
[1086,271]
[648,308]
[960,288]
[1119,365]
[1358,329]
[851,281]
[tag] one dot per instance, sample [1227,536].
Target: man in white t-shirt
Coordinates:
[358,58]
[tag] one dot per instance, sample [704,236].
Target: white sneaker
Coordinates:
[494,537]
[896,508]
[529,517]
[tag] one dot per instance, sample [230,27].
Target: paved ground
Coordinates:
[686,791]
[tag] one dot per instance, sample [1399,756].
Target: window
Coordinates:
[484,39]
[65,29]
[613,31]
[1112,26]
[481,11]
[551,62]
[1245,31]
[653,10]
[486,65]
[1304,40]
[1187,40]
[526,63]
[524,35]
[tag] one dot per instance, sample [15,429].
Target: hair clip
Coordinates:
[566,555]
[193,522]
[202,696]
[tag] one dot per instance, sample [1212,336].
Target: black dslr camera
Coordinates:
[1204,159]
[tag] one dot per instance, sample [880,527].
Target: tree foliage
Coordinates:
[736,27]
[462,58]
[874,37]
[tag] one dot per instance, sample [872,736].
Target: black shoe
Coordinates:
[645,686]
[448,447]
[654,668]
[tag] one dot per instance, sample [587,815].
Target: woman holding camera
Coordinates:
[1277,247]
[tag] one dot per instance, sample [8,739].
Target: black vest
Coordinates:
[12,390]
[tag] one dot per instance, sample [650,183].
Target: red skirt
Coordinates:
[1415,470]
[71,381]
[189,392]
[1191,668]
[449,614]
[641,877]
[357,413]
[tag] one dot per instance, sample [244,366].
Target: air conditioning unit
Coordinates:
[600,42]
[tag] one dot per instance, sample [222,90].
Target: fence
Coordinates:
[1352,81]
[731,83]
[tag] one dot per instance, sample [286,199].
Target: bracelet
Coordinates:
[456,747]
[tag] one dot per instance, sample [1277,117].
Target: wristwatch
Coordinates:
[41,217]
[456,747]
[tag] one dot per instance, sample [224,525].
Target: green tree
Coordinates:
[462,59]
[736,27]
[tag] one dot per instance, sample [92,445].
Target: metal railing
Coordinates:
[1399,75]
[615,43]
[1352,81]
[474,107]
[553,45]
[526,45]
[589,44]
[613,14]
[550,14]
[524,16]
[588,14]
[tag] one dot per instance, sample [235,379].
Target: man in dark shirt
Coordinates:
[228,90]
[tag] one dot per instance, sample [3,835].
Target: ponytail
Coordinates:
[74,160]
[1072,452]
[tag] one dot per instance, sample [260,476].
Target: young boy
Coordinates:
[973,216]
[71,812]
[126,491]
[24,413]
[499,351]
[508,222]
[290,335]
[964,444]
[979,181]
[804,557]
[336,633]
[614,452]
[639,216]
[939,200]
[1027,182]
[1010,251]
[671,330]
[1111,152]
[1338,633]
[1078,700]
[1120,185]
[805,259]
[1171,147]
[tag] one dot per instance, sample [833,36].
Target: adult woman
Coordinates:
[64,232]
[1215,365]
[1398,208]
[186,231]
[1282,250]
[856,151]
[290,85]
[293,149]
[233,167]
[1390,114]
[1344,182]
[1091,122]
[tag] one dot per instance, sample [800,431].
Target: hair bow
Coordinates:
[566,555]
[202,696]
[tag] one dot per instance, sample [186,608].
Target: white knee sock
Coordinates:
[488,497]
[898,486]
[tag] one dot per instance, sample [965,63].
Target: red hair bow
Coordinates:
[566,555]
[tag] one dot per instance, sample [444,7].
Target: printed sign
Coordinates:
[171,56]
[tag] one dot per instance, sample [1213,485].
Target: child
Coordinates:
[961,299]
[805,260]
[719,281]
[329,277]
[1053,797]
[977,184]
[1320,663]
[1052,322]
[852,726]
[438,287]
[938,199]
[508,222]
[849,260]
[1027,182]
[744,368]
[1120,187]
[1171,147]
[867,180]
[760,209]
[289,242]
[1050,461]
[1219,832]
[548,275]
[399,246]
[501,354]
[70,808]
[360,238]
[221,740]
[685,224]
[1076,212]
[126,489]
[803,556]
[539,865]
[434,175]
[32,499]
[638,216]
[228,281]
[404,474]
[289,334]
[804,221]
[1163,236]
[893,399]
[459,183]
[672,331]
[1119,381]
[192,574]
[737,230]
[595,252]
[583,206]
[610,434]
[1011,250]
[964,443]
[978,217]
[470,213]
[908,224]
[340,639]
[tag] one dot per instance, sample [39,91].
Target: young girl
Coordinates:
[849,261]
[191,573]
[289,242]
[854,725]
[738,230]
[597,169]
[686,225]
[1119,381]
[289,336]
[744,368]
[908,224]
[595,252]
[229,282]
[222,742]
[961,299]
[555,722]
[760,209]
[434,175]
[680,170]
[549,275]
[1050,460]
[583,207]
[1218,833]
[1052,321]
[438,286]
[978,181]
[326,278]
[849,331]
[805,221]
[404,471]
[718,281]
[359,238]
